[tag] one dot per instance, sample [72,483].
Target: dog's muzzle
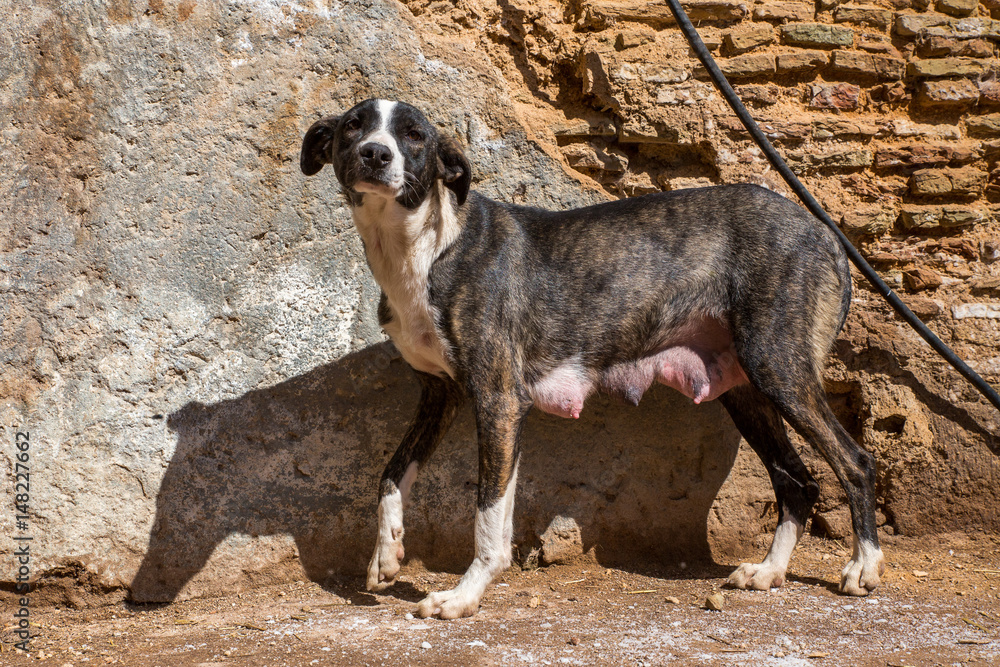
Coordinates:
[376,173]
[375,156]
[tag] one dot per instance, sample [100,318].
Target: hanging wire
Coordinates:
[782,168]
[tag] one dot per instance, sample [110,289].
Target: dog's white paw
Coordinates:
[449,604]
[757,576]
[863,572]
[384,565]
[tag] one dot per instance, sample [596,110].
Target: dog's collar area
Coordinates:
[385,190]
[356,197]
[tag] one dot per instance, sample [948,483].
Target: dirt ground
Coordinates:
[939,604]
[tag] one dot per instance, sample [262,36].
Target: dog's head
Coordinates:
[387,149]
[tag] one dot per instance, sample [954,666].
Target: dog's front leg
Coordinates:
[498,420]
[439,401]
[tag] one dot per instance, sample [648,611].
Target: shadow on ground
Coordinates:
[303,459]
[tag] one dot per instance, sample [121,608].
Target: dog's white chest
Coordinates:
[402,246]
[400,254]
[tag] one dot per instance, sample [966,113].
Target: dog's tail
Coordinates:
[779,165]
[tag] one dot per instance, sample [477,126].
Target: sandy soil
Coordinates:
[939,605]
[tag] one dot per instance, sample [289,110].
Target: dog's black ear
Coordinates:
[454,168]
[316,145]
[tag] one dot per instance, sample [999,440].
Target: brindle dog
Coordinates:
[730,292]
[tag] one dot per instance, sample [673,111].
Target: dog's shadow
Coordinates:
[303,459]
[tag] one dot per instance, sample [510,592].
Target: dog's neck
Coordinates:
[402,242]
[401,246]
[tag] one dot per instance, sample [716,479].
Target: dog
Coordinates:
[730,292]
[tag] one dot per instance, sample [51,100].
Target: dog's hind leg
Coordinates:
[797,391]
[439,401]
[795,490]
[498,421]
[809,413]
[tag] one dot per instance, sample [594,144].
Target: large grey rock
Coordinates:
[561,541]
[188,323]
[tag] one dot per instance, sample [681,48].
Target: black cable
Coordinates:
[779,164]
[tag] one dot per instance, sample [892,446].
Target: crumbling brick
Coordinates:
[817,35]
[801,61]
[957,7]
[946,67]
[948,93]
[843,96]
[740,41]
[920,278]
[864,15]
[784,11]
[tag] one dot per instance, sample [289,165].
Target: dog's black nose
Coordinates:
[375,155]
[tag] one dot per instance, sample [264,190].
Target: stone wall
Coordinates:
[188,327]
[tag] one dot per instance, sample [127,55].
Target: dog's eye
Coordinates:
[352,125]
[414,135]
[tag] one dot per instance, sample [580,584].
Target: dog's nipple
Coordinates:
[633,395]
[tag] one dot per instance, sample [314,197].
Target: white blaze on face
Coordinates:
[383,135]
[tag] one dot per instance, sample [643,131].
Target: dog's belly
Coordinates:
[702,369]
